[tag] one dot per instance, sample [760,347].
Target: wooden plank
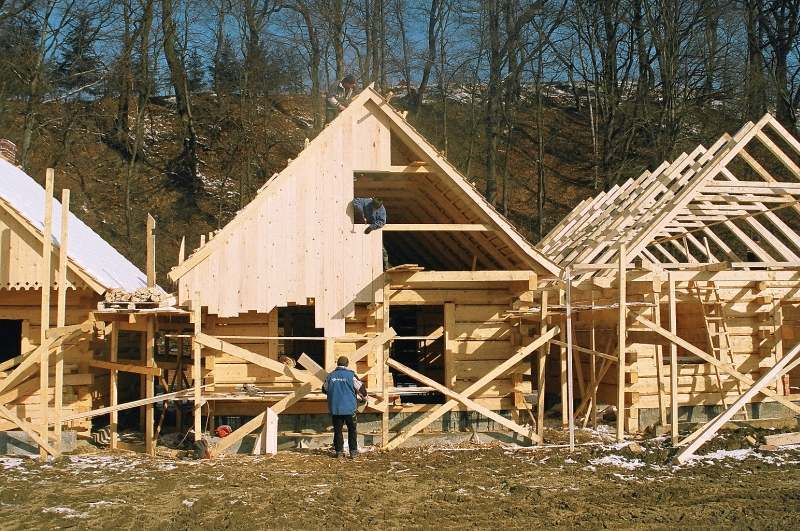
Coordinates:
[477,386]
[441,296]
[34,357]
[186,393]
[622,338]
[782,439]
[45,283]
[542,366]
[262,361]
[151,251]
[30,431]
[61,314]
[710,359]
[513,426]
[126,367]
[423,227]
[711,428]
[370,346]
[267,440]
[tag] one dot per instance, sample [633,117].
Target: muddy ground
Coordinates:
[732,485]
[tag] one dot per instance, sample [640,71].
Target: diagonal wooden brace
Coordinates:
[712,360]
[474,388]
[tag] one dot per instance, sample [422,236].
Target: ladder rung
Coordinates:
[714,318]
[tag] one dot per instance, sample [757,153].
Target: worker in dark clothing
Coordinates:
[338,97]
[751,255]
[343,389]
[371,211]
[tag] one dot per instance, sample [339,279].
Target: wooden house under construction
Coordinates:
[654,295]
[684,286]
[48,288]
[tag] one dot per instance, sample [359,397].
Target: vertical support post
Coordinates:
[330,355]
[659,359]
[450,347]
[182,251]
[570,391]
[593,364]
[179,384]
[46,282]
[383,368]
[197,367]
[562,373]
[61,318]
[114,381]
[542,366]
[673,362]
[621,336]
[150,391]
[777,319]
[151,251]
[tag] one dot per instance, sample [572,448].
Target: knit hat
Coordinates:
[343,361]
[349,79]
[376,202]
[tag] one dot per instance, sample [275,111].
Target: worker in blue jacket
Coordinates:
[370,210]
[343,388]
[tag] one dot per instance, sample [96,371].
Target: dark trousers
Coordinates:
[352,436]
[331,113]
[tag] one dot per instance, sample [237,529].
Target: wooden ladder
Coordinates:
[719,340]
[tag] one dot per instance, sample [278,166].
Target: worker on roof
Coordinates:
[370,210]
[338,97]
[343,388]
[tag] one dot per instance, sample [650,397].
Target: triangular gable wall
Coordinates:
[296,243]
[696,209]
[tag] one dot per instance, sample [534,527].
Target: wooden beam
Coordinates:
[113,379]
[251,357]
[513,426]
[151,251]
[197,369]
[371,345]
[61,313]
[186,393]
[472,389]
[782,439]
[44,446]
[712,360]
[622,338]
[126,367]
[542,366]
[427,227]
[35,357]
[711,428]
[45,282]
[673,361]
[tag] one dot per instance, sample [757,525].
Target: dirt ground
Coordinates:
[731,485]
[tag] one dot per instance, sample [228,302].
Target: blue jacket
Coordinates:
[341,386]
[376,218]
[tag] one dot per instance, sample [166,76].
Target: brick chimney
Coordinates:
[8,151]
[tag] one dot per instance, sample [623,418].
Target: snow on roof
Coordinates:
[84,246]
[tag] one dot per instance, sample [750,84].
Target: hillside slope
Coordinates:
[237,156]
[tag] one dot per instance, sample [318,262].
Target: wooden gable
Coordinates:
[296,242]
[21,261]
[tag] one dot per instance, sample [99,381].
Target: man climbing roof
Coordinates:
[338,97]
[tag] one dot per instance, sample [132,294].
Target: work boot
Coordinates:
[339,454]
[353,454]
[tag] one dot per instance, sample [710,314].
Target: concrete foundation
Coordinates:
[20,443]
[702,414]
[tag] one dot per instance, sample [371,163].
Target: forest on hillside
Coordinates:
[183,108]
